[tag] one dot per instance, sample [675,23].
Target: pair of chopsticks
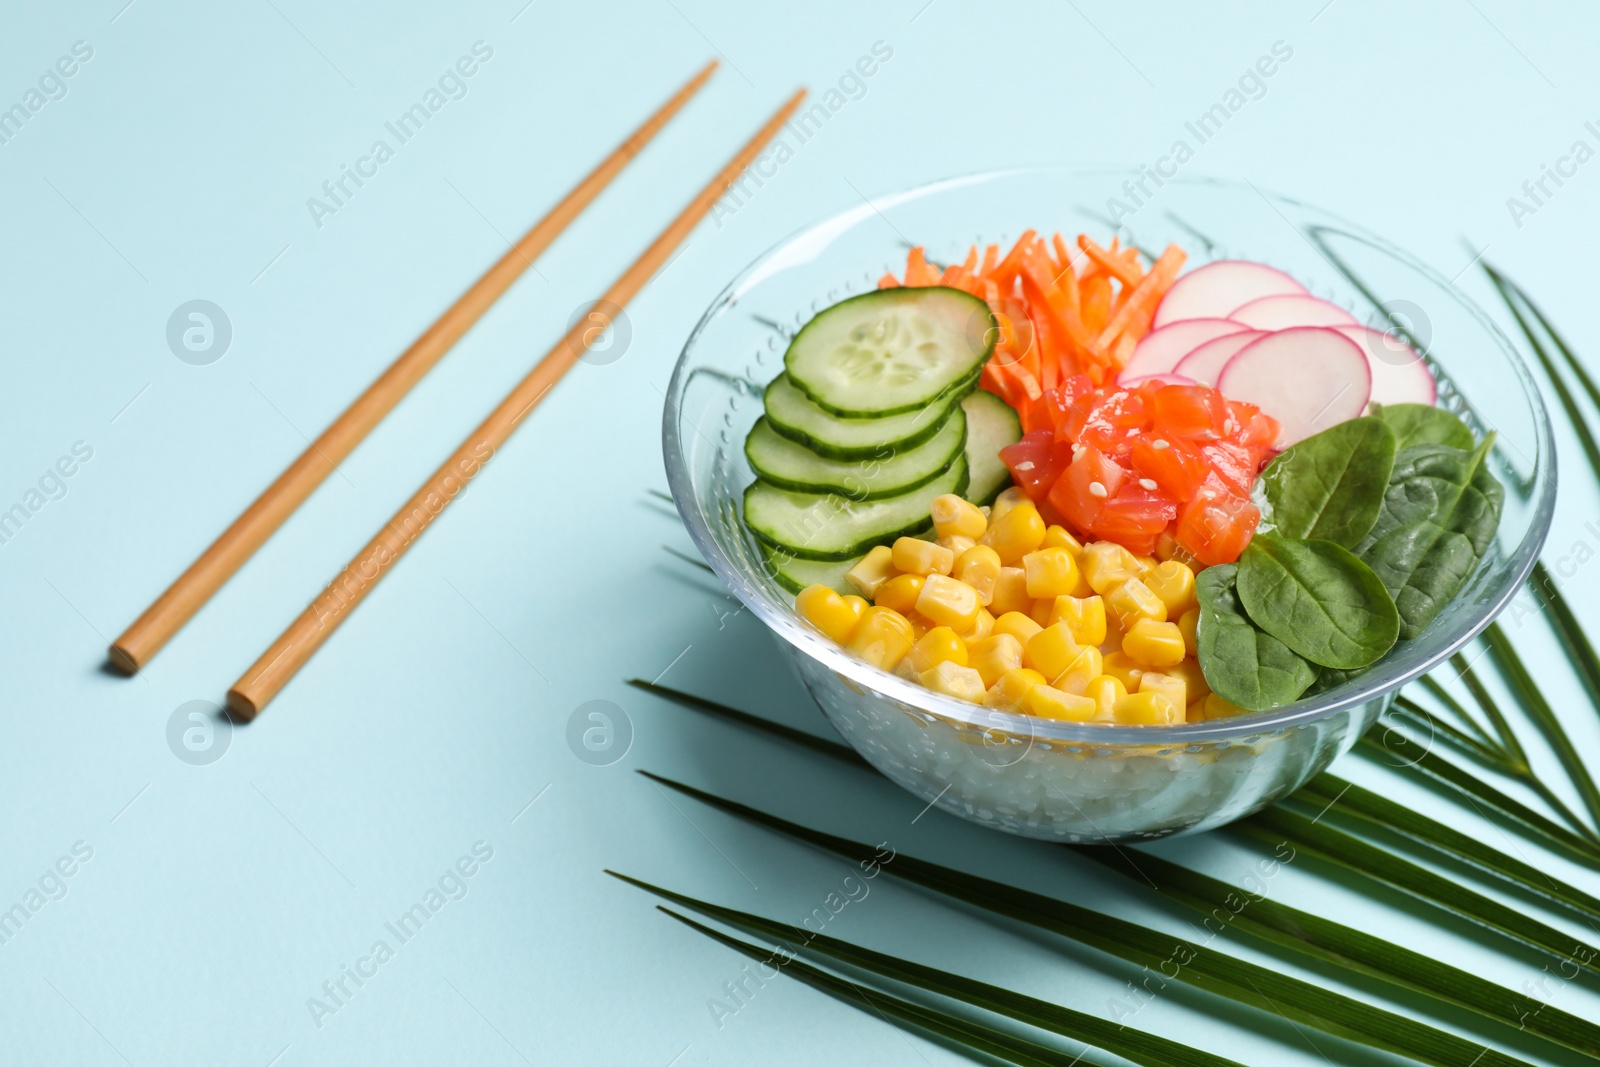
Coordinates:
[258,685]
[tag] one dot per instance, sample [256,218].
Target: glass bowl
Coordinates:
[1070,781]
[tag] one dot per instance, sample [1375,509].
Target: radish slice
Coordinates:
[1284,312]
[1399,375]
[1308,378]
[1165,379]
[1211,291]
[1160,350]
[1205,363]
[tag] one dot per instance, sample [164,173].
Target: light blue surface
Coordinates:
[218,899]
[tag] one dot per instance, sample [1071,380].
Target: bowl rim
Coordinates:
[1301,713]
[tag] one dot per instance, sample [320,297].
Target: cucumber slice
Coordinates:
[823,526]
[795,574]
[789,465]
[791,414]
[991,425]
[891,350]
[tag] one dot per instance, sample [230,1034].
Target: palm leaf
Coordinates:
[744,718]
[1238,980]
[1131,1044]
[1569,632]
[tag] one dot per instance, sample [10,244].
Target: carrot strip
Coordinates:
[1110,263]
[1007,270]
[1096,304]
[1142,301]
[889,281]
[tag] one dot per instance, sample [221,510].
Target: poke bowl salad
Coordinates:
[1093,493]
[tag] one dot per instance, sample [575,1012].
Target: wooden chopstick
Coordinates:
[306,634]
[238,542]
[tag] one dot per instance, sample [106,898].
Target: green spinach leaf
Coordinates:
[1424,424]
[1242,664]
[1319,599]
[1439,518]
[1330,486]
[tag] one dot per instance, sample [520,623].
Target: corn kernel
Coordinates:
[1061,537]
[1217,708]
[1088,665]
[1147,564]
[979,567]
[1048,702]
[1011,592]
[1085,618]
[1017,625]
[875,568]
[1011,688]
[1041,610]
[947,602]
[883,638]
[938,645]
[1122,667]
[1051,572]
[1051,650]
[1194,680]
[912,555]
[1196,712]
[1147,709]
[856,605]
[1168,685]
[1132,601]
[956,544]
[1174,584]
[827,611]
[954,680]
[1107,565]
[1186,626]
[1105,691]
[1006,501]
[982,627]
[900,593]
[955,517]
[1016,533]
[995,655]
[1154,644]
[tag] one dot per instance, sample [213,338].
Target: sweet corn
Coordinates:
[1010,690]
[1122,667]
[1006,501]
[979,567]
[828,612]
[995,655]
[1105,691]
[875,568]
[938,645]
[955,517]
[1016,533]
[1088,665]
[1186,626]
[1106,565]
[1051,572]
[856,605]
[947,602]
[882,638]
[1042,609]
[982,627]
[1154,644]
[1011,592]
[1017,625]
[1051,650]
[1167,685]
[1132,601]
[1147,709]
[1174,584]
[900,593]
[1048,702]
[1196,711]
[1146,564]
[1061,537]
[912,555]
[1194,680]
[949,678]
[1085,618]
[1217,708]
[956,544]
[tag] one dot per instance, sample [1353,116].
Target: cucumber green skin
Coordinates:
[919,526]
[991,334]
[853,492]
[829,574]
[831,451]
[987,414]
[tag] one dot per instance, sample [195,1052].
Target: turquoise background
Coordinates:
[218,899]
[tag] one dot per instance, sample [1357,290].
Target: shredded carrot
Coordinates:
[1113,265]
[889,281]
[1146,295]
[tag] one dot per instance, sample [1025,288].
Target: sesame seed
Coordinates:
[1096,489]
[1147,483]
[1160,443]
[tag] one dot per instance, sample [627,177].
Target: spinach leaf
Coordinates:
[1439,517]
[1319,599]
[1331,485]
[1424,424]
[1242,664]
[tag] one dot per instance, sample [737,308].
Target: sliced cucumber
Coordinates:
[789,465]
[891,350]
[991,425]
[792,415]
[795,574]
[823,526]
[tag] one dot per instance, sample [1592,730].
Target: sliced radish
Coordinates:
[1205,363]
[1284,312]
[1399,375]
[1308,378]
[1211,291]
[1168,378]
[1160,350]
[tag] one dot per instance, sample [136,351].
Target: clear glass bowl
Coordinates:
[1058,780]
